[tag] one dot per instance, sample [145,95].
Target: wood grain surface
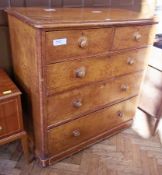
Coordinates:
[7,85]
[81,17]
[97,41]
[62,76]
[123,153]
[11,122]
[129,37]
[64,137]
[27,74]
[79,101]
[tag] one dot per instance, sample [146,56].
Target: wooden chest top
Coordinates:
[7,87]
[80,17]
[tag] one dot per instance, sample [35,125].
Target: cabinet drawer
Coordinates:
[70,134]
[133,37]
[88,98]
[62,45]
[72,74]
[9,117]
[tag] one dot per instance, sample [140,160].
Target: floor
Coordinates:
[126,153]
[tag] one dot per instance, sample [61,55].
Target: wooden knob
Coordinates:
[120,113]
[77,103]
[80,72]
[124,87]
[131,61]
[76,133]
[137,36]
[1,128]
[83,42]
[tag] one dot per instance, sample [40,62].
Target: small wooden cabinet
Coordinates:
[11,125]
[81,71]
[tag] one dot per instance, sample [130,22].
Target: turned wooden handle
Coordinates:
[83,42]
[120,113]
[124,87]
[77,103]
[76,133]
[131,61]
[80,72]
[137,36]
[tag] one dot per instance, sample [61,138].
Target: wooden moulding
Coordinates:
[11,138]
[84,19]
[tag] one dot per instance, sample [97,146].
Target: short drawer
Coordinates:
[9,117]
[70,74]
[71,134]
[133,37]
[92,97]
[63,45]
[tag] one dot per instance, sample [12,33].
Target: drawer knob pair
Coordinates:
[124,87]
[77,103]
[76,133]
[83,42]
[137,36]
[80,72]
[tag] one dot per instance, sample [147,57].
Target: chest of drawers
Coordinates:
[81,72]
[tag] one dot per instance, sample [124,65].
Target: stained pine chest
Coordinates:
[81,71]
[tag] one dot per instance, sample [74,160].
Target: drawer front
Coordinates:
[70,134]
[9,117]
[62,45]
[70,74]
[88,98]
[133,37]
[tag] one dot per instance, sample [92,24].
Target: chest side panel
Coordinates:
[26,64]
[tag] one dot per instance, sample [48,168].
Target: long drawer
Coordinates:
[62,45]
[88,98]
[70,134]
[72,74]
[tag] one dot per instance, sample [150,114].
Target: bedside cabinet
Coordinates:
[11,125]
[81,70]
